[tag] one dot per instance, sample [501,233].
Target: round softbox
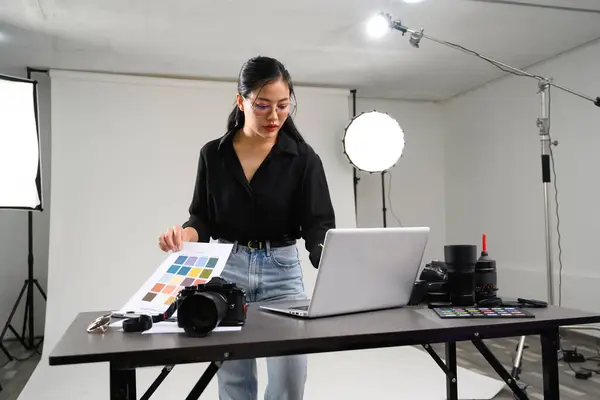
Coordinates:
[373,141]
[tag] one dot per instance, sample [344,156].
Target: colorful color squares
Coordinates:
[205,273]
[185,271]
[180,260]
[201,262]
[187,282]
[176,280]
[190,261]
[195,272]
[149,296]
[158,287]
[170,300]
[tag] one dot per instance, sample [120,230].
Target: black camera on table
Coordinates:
[201,308]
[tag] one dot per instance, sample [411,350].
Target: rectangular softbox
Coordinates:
[20,159]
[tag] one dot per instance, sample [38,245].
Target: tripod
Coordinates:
[30,283]
[28,287]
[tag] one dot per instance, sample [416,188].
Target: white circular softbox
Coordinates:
[373,141]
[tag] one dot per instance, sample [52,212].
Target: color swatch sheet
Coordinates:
[195,264]
[482,312]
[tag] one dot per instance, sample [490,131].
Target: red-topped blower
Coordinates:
[486,280]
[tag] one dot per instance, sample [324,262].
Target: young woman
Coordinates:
[260,187]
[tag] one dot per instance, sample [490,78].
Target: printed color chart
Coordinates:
[194,265]
[483,312]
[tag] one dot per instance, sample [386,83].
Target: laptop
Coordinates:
[362,269]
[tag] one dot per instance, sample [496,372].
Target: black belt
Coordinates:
[261,244]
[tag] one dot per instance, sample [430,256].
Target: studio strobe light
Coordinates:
[373,143]
[21,181]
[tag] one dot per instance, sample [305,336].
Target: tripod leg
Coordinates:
[516,371]
[40,289]
[5,351]
[10,317]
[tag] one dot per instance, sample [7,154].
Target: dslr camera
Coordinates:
[201,308]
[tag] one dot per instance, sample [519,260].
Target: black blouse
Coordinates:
[287,198]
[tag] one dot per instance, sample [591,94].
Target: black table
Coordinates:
[268,334]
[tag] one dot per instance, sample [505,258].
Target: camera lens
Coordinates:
[486,286]
[460,262]
[198,314]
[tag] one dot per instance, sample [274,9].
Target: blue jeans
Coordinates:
[265,274]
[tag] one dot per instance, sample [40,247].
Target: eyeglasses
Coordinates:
[262,108]
[100,324]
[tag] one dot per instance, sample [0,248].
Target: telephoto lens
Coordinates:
[460,262]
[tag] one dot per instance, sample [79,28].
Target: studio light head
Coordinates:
[379,25]
[373,141]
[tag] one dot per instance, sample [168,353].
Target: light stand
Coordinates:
[383,209]
[543,123]
[30,283]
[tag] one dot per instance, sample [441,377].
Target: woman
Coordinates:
[260,187]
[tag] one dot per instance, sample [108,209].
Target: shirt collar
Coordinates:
[284,144]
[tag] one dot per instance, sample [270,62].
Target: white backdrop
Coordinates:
[125,151]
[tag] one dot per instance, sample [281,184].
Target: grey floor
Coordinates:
[571,388]
[15,374]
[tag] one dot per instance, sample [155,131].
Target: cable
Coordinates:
[556,201]
[390,199]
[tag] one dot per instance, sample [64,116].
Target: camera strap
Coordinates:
[144,322]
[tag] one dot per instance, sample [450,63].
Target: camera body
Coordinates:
[217,302]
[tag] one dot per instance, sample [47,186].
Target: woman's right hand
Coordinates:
[173,238]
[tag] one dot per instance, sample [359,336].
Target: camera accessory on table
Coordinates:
[464,286]
[200,309]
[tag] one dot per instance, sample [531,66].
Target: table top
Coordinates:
[267,334]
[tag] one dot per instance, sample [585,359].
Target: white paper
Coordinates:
[196,263]
[171,327]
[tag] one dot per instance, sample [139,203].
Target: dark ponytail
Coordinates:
[236,119]
[256,73]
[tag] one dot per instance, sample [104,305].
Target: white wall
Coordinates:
[14,229]
[417,185]
[494,184]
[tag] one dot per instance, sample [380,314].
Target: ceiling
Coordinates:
[322,42]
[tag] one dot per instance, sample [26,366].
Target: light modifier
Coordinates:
[373,141]
[20,164]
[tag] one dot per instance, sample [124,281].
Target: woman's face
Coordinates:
[266,110]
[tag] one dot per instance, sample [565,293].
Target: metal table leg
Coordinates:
[449,368]
[550,344]
[122,383]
